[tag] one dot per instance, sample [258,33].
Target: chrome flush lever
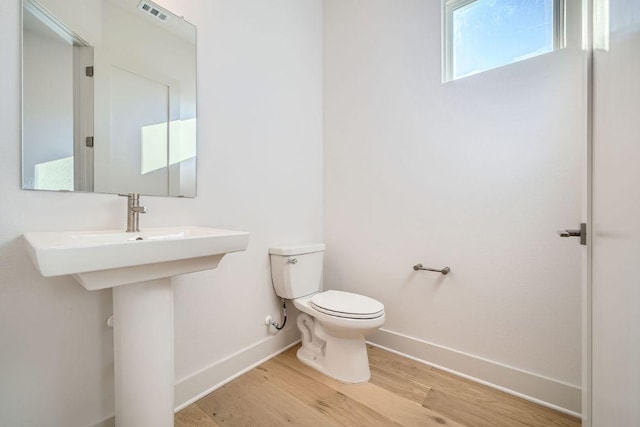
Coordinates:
[582,233]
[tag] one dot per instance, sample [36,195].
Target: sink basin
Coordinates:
[139,267]
[104,259]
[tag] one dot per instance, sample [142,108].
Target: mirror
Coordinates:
[108,98]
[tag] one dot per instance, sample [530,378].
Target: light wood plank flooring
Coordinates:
[401,392]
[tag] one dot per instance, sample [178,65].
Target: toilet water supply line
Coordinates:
[284,317]
[269,321]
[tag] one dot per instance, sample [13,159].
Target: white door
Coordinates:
[616,222]
[132,122]
[139,134]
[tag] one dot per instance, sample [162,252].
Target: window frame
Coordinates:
[450,6]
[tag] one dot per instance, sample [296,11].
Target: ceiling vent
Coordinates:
[153,10]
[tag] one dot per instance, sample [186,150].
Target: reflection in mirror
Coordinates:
[53,57]
[109,98]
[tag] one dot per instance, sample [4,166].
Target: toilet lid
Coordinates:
[347,304]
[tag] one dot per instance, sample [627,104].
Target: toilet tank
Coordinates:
[296,271]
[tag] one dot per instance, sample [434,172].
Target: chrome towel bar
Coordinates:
[420,267]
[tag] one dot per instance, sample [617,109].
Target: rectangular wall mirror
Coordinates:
[108,98]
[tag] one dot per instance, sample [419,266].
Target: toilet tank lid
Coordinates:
[297,249]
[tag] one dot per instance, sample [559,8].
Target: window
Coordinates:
[483,34]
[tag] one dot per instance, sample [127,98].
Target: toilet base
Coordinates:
[343,359]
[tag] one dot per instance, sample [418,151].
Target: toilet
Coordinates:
[333,323]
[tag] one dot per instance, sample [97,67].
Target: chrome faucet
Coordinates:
[133,211]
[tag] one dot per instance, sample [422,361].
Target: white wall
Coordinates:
[260,168]
[476,174]
[260,135]
[616,231]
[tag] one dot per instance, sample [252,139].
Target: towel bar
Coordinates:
[420,267]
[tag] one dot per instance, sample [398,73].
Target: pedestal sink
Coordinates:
[138,266]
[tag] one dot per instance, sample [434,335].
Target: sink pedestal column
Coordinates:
[143,353]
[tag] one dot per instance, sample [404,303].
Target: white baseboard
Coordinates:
[218,374]
[548,392]
[109,422]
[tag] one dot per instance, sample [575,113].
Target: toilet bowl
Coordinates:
[333,323]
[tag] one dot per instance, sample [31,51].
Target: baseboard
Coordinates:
[109,422]
[218,374]
[548,392]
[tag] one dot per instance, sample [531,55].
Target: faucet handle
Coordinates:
[139,209]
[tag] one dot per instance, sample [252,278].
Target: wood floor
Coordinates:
[401,392]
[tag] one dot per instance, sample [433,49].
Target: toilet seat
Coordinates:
[347,305]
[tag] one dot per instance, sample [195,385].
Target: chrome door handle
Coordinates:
[582,233]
